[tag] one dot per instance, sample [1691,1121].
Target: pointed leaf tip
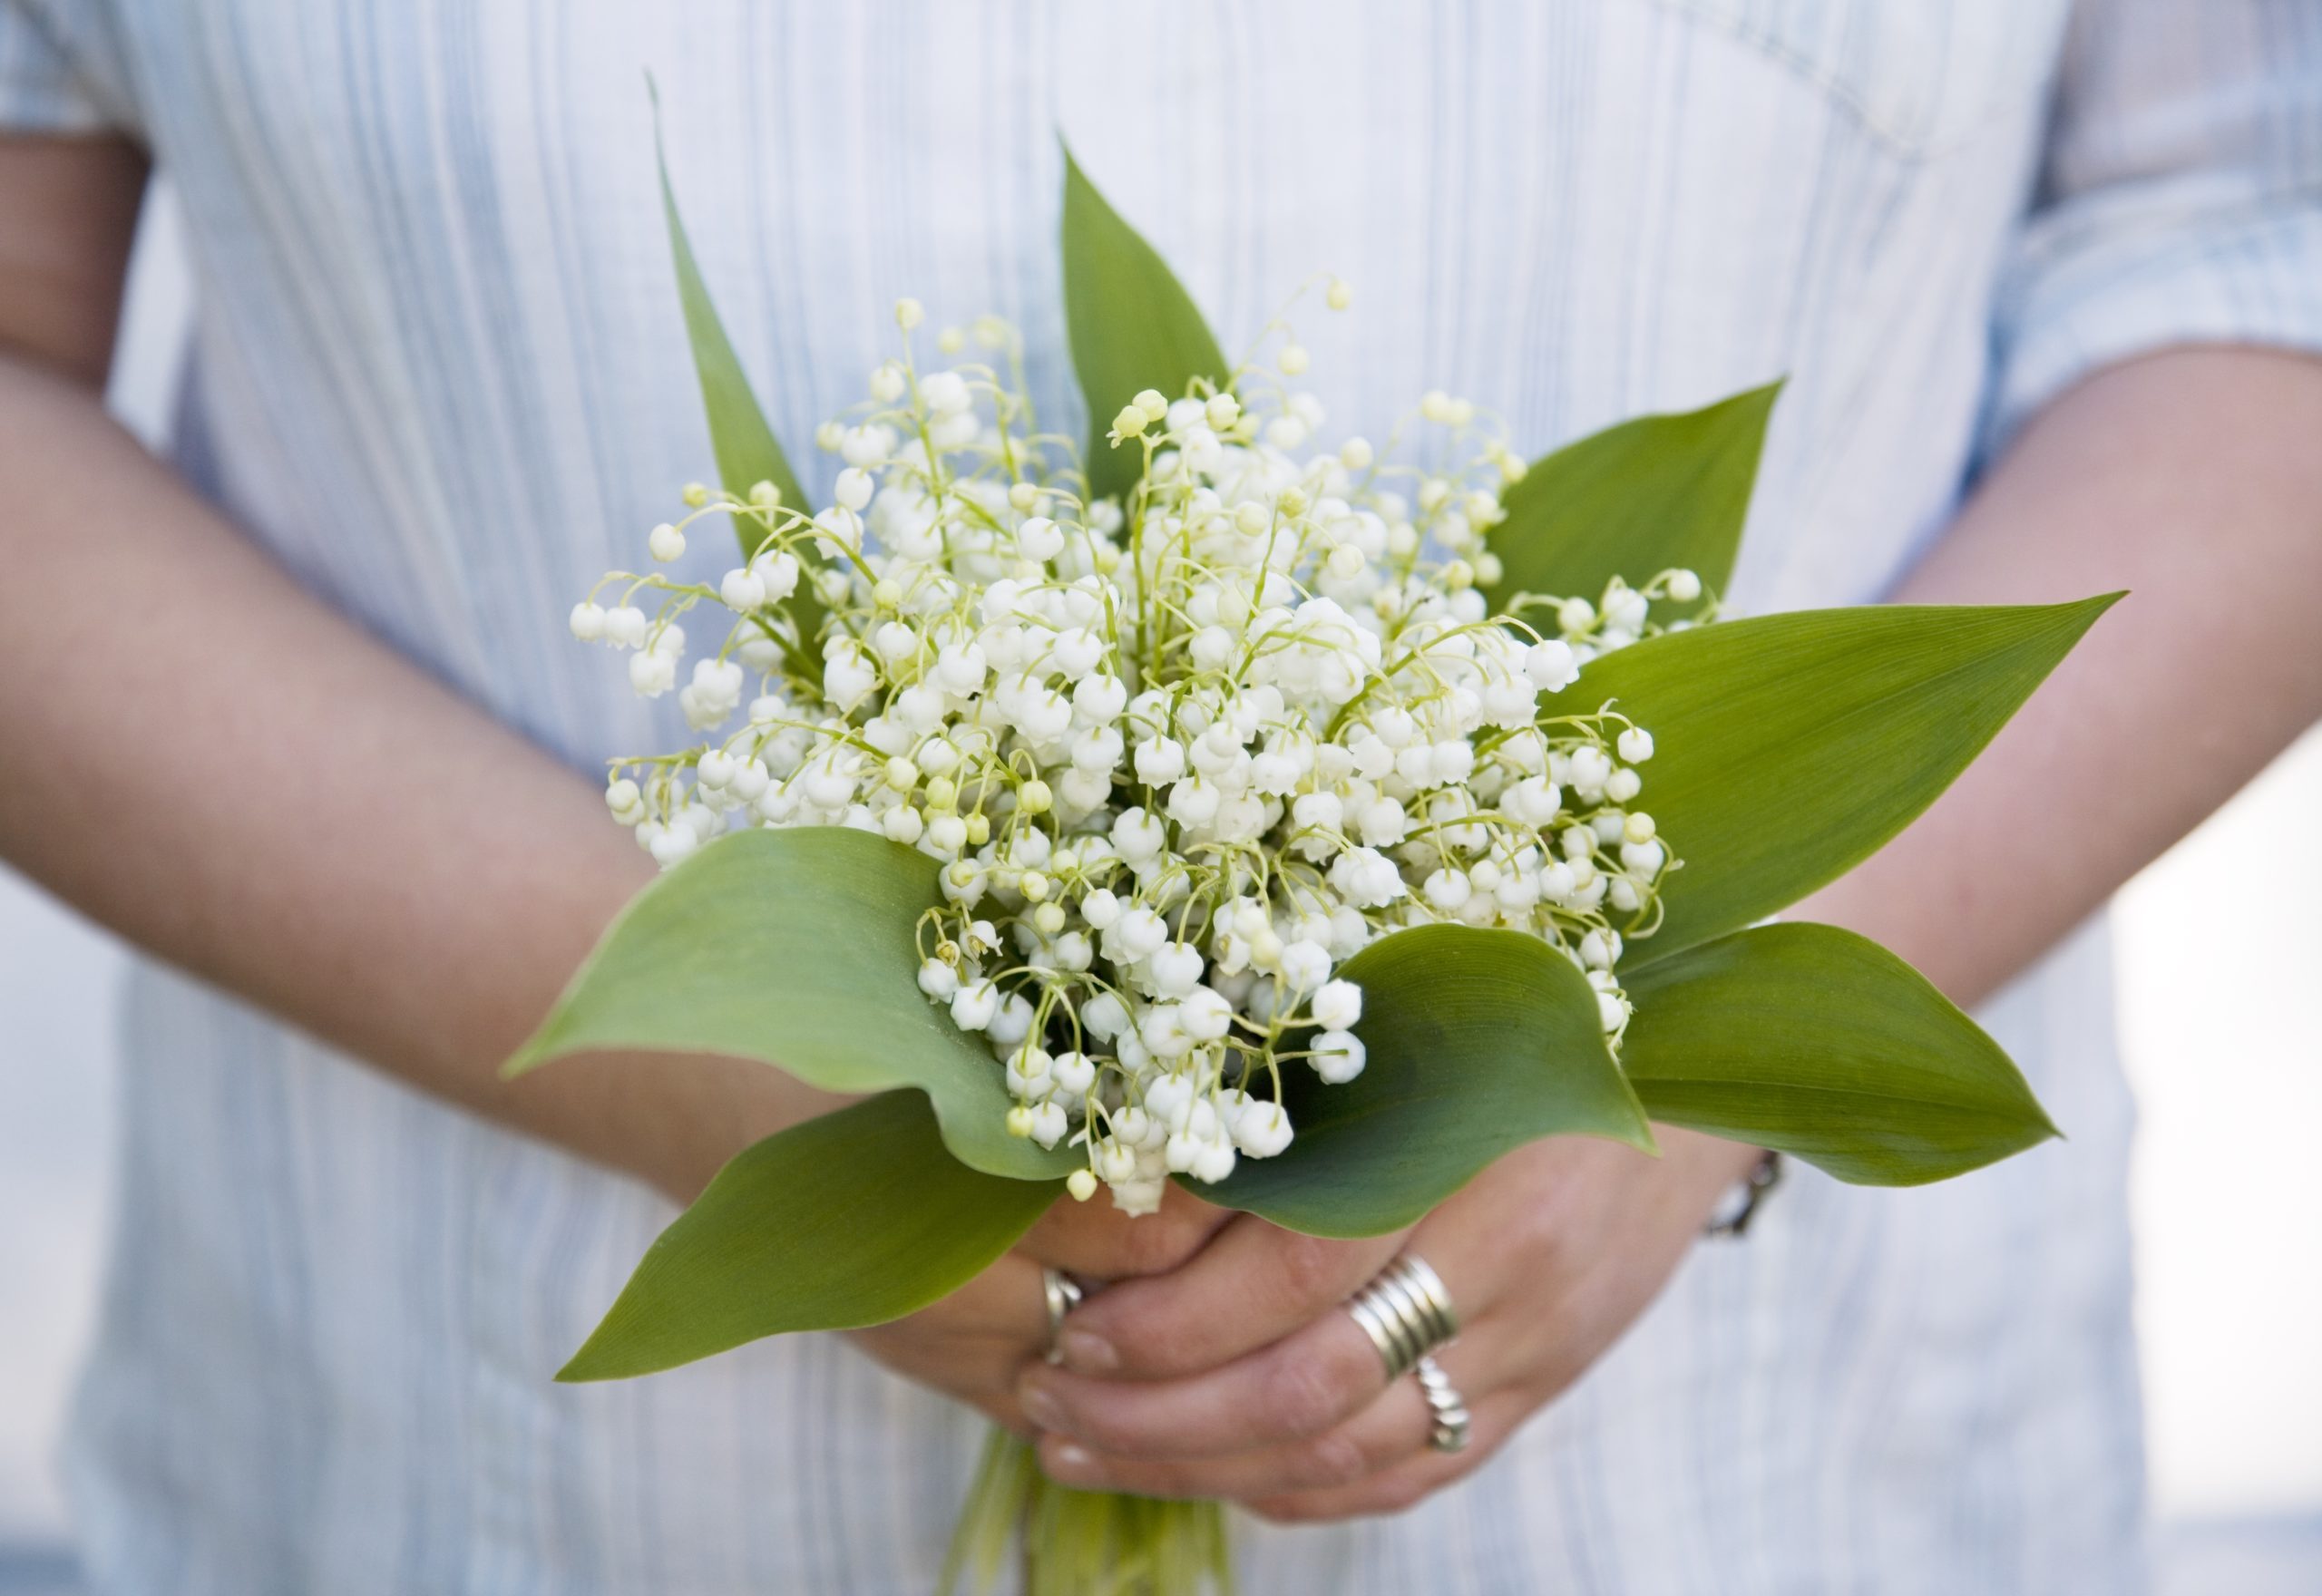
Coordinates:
[1650,494]
[1790,748]
[854,1219]
[1820,1043]
[740,438]
[1130,323]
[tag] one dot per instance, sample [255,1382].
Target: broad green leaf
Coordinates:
[1132,325]
[1823,1044]
[748,452]
[1478,1041]
[854,1219]
[1649,495]
[1789,747]
[795,947]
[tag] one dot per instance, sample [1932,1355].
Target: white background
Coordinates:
[2220,954]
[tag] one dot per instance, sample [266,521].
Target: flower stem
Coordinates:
[1082,1543]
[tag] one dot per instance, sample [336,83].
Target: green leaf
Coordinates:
[1132,325]
[1823,1044]
[795,947]
[1788,748]
[1652,494]
[856,1218]
[748,452]
[1477,1041]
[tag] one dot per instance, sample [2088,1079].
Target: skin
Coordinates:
[1221,1364]
[2190,477]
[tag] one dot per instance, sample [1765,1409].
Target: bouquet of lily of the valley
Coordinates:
[1192,802]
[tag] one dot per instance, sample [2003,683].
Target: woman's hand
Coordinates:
[975,1343]
[1239,1376]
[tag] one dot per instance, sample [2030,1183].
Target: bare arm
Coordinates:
[257,791]
[2193,478]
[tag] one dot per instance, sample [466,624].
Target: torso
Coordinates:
[439,374]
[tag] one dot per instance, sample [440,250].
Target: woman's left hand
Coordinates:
[1239,1376]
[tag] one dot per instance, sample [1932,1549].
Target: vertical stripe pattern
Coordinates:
[440,375]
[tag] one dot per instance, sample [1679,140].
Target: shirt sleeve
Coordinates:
[41,90]
[2180,196]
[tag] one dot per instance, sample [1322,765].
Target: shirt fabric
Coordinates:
[439,373]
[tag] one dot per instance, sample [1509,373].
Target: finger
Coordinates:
[973,1343]
[1299,1387]
[1008,1302]
[1406,1483]
[1394,1428]
[1097,1242]
[1252,1284]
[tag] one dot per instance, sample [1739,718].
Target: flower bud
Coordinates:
[1213,1161]
[1337,1056]
[1337,1006]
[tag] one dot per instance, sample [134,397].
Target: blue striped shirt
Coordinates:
[439,375]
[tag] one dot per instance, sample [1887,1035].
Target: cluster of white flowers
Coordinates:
[1179,758]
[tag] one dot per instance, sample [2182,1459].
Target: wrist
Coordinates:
[1712,1170]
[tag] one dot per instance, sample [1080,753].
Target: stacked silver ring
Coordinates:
[1444,1407]
[1406,1312]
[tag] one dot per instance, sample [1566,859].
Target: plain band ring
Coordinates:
[1445,1408]
[1062,1294]
[1406,1312]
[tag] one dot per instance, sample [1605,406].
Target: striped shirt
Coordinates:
[439,375]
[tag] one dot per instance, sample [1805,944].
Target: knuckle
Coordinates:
[1159,1342]
[1162,1345]
[1157,1244]
[1336,1459]
[1109,1431]
[1305,1394]
[1307,1266]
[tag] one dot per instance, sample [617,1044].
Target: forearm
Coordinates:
[2193,479]
[232,776]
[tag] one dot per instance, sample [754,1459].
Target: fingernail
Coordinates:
[1077,1462]
[1088,1352]
[1041,1406]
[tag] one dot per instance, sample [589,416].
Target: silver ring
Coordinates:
[1062,1294]
[1444,1407]
[1406,1312]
